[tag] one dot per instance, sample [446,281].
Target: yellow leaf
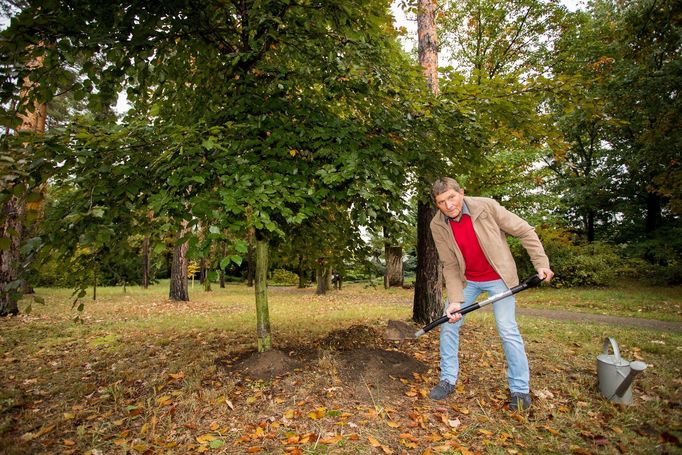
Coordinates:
[251,400]
[69,416]
[373,441]
[485,432]
[387,450]
[332,440]
[69,442]
[202,449]
[119,442]
[551,430]
[177,376]
[164,400]
[204,438]
[214,426]
[393,424]
[289,414]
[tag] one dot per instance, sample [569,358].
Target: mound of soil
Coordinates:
[353,337]
[261,365]
[353,358]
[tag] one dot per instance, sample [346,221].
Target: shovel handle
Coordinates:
[528,283]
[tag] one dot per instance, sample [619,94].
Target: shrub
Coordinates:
[594,264]
[281,277]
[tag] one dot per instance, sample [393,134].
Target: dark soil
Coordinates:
[356,359]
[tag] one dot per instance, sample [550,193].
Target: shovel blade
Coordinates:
[399,331]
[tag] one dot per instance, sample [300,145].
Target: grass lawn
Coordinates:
[141,374]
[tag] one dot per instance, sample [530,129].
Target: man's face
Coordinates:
[450,203]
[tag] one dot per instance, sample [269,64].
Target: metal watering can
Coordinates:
[615,374]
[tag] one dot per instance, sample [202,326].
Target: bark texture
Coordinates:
[394,266]
[179,289]
[262,311]
[428,291]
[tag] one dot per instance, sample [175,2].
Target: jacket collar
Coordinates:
[469,207]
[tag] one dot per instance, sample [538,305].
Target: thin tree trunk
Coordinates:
[301,277]
[179,290]
[94,282]
[250,271]
[328,277]
[262,311]
[653,213]
[394,266]
[428,291]
[321,278]
[222,270]
[145,262]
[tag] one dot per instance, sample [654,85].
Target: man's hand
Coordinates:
[546,274]
[450,311]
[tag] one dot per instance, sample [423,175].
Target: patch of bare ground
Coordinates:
[354,360]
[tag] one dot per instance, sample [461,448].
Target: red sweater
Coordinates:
[477,267]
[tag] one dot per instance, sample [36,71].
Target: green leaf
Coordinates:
[216,443]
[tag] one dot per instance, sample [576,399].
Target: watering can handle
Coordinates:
[614,345]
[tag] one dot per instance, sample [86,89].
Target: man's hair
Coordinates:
[442,185]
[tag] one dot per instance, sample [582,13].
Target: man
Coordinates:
[470,236]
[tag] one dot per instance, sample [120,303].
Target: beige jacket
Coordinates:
[492,223]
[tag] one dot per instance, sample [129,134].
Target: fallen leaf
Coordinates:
[331,440]
[69,442]
[454,423]
[373,441]
[393,424]
[551,430]
[214,426]
[254,449]
[177,376]
[204,438]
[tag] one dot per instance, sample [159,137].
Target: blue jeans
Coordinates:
[518,373]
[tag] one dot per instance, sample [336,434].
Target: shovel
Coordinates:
[398,330]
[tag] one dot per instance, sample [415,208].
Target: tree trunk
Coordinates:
[328,277]
[394,266]
[250,271]
[94,282]
[320,273]
[15,209]
[222,270]
[301,277]
[428,42]
[202,270]
[262,311]
[13,215]
[179,290]
[654,219]
[145,262]
[428,291]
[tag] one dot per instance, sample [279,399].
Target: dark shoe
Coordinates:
[519,401]
[442,390]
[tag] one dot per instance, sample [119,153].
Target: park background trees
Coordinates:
[304,129]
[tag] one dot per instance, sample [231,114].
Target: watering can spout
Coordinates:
[636,367]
